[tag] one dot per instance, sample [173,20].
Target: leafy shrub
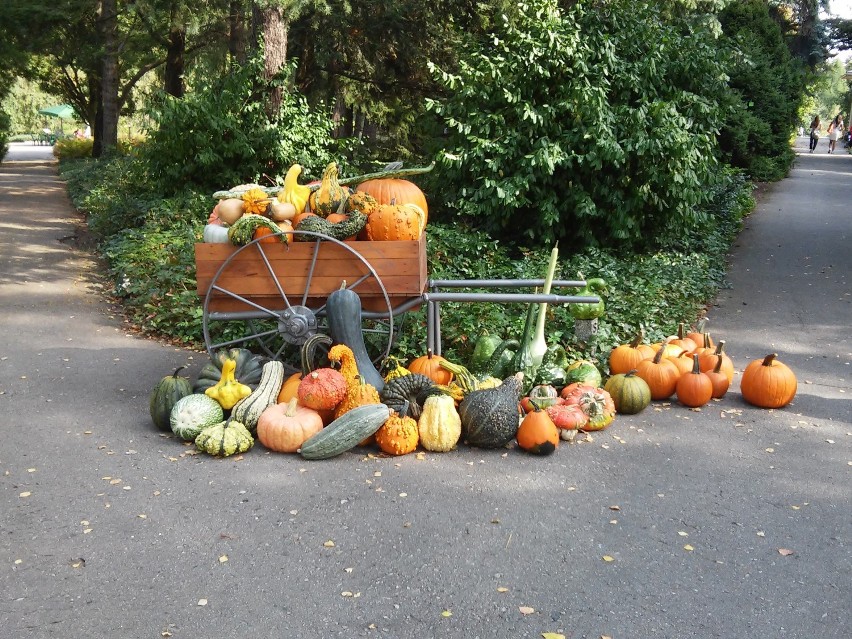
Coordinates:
[766,92]
[588,123]
[219,135]
[5,125]
[73,148]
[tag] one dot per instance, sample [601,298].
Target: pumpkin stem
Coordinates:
[292,405]
[720,347]
[718,367]
[178,370]
[638,339]
[767,361]
[696,369]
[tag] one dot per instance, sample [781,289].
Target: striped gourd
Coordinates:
[630,393]
[247,411]
[346,432]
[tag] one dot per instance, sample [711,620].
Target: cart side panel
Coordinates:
[401,266]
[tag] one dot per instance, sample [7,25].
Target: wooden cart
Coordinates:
[272,295]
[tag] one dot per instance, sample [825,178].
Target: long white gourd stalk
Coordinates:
[538,345]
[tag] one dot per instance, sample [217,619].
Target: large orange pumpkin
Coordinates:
[285,427]
[396,222]
[767,383]
[387,191]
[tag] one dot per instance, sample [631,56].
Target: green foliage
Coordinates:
[588,123]
[73,148]
[5,124]
[766,88]
[220,136]
[654,290]
[153,270]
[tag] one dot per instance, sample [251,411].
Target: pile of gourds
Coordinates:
[383,206]
[433,403]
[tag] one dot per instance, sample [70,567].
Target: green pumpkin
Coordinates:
[164,396]
[630,393]
[583,372]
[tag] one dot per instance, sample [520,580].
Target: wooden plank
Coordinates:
[401,266]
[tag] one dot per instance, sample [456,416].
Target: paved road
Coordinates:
[110,529]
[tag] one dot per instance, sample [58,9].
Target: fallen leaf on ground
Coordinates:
[223,559]
[785,552]
[26,493]
[552,635]
[526,610]
[446,613]
[688,548]
[202,602]
[329,544]
[502,589]
[608,558]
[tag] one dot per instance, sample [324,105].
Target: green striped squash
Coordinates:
[345,432]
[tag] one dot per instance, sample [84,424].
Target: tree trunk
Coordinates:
[173,84]
[237,32]
[109,80]
[274,28]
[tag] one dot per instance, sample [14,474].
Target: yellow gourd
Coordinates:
[293,192]
[439,425]
[228,391]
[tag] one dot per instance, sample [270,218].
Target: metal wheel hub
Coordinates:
[297,324]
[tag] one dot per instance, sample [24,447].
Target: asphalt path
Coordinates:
[726,522]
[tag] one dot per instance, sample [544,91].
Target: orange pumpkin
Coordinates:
[683,362]
[768,383]
[660,374]
[392,222]
[537,433]
[708,361]
[390,190]
[322,389]
[289,389]
[285,427]
[683,341]
[694,389]
[625,357]
[720,380]
[268,235]
[430,366]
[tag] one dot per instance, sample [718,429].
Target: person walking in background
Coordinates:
[814,132]
[834,131]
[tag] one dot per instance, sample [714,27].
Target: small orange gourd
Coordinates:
[398,435]
[537,433]
[396,222]
[322,389]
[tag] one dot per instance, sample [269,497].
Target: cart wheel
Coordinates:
[278,326]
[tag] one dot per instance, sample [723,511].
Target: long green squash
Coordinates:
[247,411]
[343,309]
[345,432]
